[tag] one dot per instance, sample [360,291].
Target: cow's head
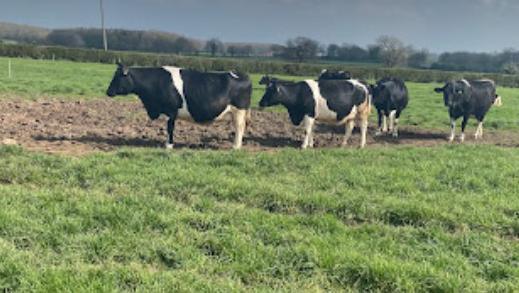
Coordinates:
[265,79]
[455,93]
[122,82]
[273,95]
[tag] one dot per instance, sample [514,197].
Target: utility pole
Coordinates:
[105,43]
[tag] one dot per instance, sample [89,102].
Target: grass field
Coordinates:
[44,79]
[442,219]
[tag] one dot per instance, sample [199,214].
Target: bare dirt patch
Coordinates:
[78,127]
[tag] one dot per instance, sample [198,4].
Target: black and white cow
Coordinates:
[390,97]
[333,74]
[200,97]
[469,98]
[266,79]
[330,101]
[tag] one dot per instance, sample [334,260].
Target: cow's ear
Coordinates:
[438,89]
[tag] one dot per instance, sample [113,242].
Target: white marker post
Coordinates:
[9,67]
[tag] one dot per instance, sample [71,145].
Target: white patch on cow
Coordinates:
[178,83]
[479,131]
[348,131]
[453,130]
[322,112]
[234,75]
[488,80]
[498,102]
[395,130]
[462,137]
[226,111]
[392,116]
[240,118]
[308,123]
[465,82]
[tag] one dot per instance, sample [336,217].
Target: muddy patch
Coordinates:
[78,127]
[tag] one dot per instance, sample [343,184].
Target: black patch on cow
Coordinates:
[390,94]
[208,94]
[333,74]
[341,96]
[297,98]
[474,99]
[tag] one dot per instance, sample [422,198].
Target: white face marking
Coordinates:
[178,83]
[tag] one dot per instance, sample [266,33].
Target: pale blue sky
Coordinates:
[441,25]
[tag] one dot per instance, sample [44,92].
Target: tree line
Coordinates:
[387,50]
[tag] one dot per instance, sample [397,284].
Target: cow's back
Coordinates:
[483,93]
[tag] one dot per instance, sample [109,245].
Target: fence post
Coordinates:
[9,67]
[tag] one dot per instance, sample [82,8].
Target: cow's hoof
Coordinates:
[169,146]
[395,134]
[379,133]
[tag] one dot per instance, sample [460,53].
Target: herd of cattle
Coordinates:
[335,97]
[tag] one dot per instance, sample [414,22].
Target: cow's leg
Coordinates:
[395,123]
[384,122]
[240,117]
[308,124]
[453,129]
[479,130]
[170,128]
[463,125]
[363,130]
[380,117]
[350,124]
[391,121]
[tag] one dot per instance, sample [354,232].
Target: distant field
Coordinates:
[388,218]
[43,79]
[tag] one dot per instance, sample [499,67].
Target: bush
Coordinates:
[244,65]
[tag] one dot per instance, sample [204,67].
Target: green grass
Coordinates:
[442,219]
[431,219]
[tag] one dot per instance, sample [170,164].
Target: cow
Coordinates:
[330,101]
[200,97]
[469,98]
[333,74]
[266,79]
[390,97]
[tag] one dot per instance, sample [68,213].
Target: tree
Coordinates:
[418,59]
[332,52]
[66,38]
[214,46]
[184,45]
[392,51]
[301,49]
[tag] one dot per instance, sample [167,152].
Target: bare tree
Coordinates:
[214,46]
[301,49]
[392,52]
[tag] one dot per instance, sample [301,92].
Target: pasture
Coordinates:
[412,215]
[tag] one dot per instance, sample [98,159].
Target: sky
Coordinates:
[437,25]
